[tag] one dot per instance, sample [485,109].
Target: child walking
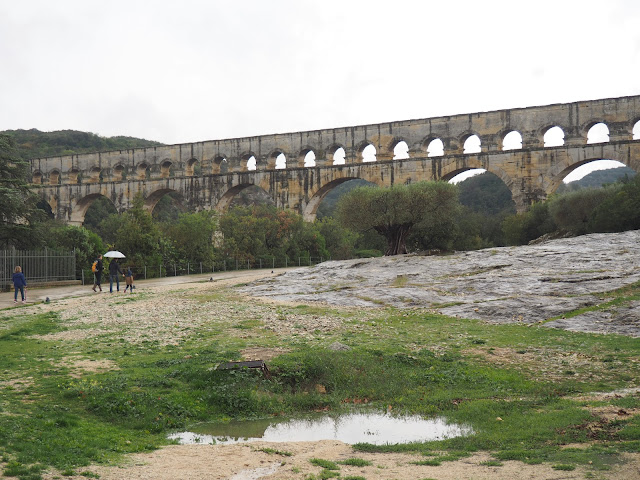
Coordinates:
[128,278]
[19,283]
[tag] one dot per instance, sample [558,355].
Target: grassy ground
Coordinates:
[530,393]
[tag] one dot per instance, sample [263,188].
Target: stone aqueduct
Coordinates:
[209,174]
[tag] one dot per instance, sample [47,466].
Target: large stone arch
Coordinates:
[311,208]
[152,199]
[79,208]
[226,198]
[567,164]
[471,162]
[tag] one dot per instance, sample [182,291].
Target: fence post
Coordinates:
[188,271]
[175,270]
[82,276]
[145,272]
[200,267]
[160,270]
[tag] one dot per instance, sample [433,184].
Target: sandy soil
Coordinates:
[252,461]
[248,462]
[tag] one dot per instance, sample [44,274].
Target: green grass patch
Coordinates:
[326,464]
[273,451]
[356,462]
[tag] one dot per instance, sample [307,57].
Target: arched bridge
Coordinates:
[298,169]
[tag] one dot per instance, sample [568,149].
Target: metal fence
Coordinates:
[38,266]
[190,268]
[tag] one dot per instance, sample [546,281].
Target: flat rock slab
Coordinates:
[526,284]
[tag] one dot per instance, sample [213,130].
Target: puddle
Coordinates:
[374,428]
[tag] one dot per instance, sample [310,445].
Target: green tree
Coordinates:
[524,227]
[394,211]
[138,236]
[262,230]
[620,211]
[86,244]
[192,237]
[99,209]
[572,211]
[19,216]
[339,241]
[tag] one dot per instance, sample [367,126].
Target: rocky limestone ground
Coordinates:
[527,284]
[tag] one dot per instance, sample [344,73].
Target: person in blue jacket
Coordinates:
[19,283]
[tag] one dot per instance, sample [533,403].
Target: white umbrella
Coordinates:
[114,254]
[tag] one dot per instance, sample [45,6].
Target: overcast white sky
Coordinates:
[195,70]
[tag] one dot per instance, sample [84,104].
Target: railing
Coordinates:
[38,266]
[190,268]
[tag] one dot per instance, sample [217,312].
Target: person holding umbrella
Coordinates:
[114,269]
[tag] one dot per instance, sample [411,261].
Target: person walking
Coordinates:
[128,277]
[19,283]
[114,269]
[97,273]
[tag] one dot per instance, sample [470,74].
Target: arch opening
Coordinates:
[554,137]
[435,148]
[165,169]
[143,171]
[96,208]
[324,202]
[401,151]
[166,205]
[281,162]
[339,156]
[193,168]
[251,163]
[598,133]
[119,173]
[594,173]
[54,178]
[472,144]
[243,195]
[512,141]
[369,154]
[462,176]
[220,165]
[95,175]
[46,208]
[309,159]
[636,131]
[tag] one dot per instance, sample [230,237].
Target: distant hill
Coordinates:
[598,178]
[36,144]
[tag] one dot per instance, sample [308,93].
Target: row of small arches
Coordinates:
[553,137]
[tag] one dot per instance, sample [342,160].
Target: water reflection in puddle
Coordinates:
[374,428]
